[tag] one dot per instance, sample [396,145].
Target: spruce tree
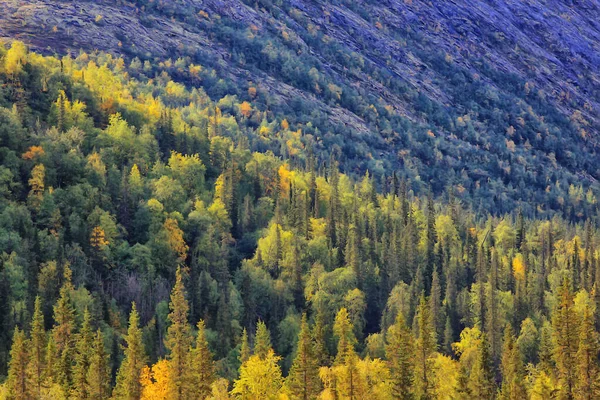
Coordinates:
[98,374]
[37,351]
[565,332]
[587,383]
[64,333]
[82,359]
[400,355]
[513,372]
[481,380]
[128,385]
[425,348]
[346,359]
[178,340]
[17,367]
[202,365]
[319,335]
[262,341]
[303,379]
[245,351]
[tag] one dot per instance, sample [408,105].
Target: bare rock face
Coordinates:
[552,44]
[399,54]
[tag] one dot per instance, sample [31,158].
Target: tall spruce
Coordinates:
[425,349]
[83,349]
[17,367]
[400,355]
[513,372]
[587,383]
[98,374]
[128,385]
[64,333]
[37,351]
[303,379]
[178,340]
[262,341]
[202,365]
[565,338]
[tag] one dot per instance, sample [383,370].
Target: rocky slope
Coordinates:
[508,90]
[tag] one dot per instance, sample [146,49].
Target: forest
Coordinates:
[160,243]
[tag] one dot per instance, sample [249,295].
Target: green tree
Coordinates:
[128,385]
[98,374]
[262,341]
[513,387]
[303,379]
[481,380]
[64,333]
[400,355]
[17,367]
[37,351]
[425,348]
[83,349]
[587,383]
[178,340]
[202,365]
[565,338]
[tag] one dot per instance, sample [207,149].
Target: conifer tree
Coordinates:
[400,355]
[82,359]
[178,340]
[481,379]
[128,385]
[17,367]
[245,351]
[50,375]
[587,383]
[262,341]
[202,365]
[37,351]
[319,336]
[425,348]
[513,387]
[64,333]
[565,332]
[303,379]
[345,369]
[98,374]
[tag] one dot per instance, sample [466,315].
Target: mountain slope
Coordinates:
[497,99]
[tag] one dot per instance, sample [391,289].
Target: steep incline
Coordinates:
[499,98]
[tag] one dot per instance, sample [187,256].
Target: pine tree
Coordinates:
[564,322]
[98,374]
[513,387]
[178,340]
[202,365]
[128,385]
[303,379]
[425,348]
[64,333]
[37,351]
[481,380]
[17,367]
[262,342]
[82,359]
[400,355]
[587,384]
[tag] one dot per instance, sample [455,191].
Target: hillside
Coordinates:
[220,201]
[498,100]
